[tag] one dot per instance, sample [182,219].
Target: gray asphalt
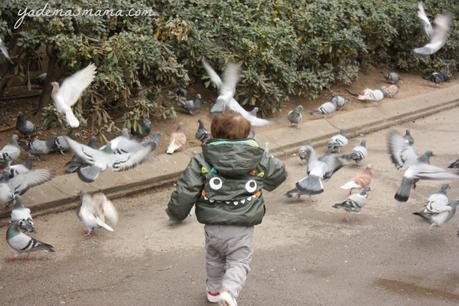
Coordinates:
[307,253]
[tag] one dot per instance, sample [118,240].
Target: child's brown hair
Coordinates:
[230,125]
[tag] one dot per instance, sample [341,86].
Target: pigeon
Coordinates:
[21,215]
[17,169]
[19,184]
[336,142]
[392,77]
[192,105]
[437,35]
[294,116]
[420,169]
[42,147]
[24,126]
[326,108]
[93,211]
[75,163]
[438,209]
[339,101]
[358,153]
[454,164]
[227,89]
[361,180]
[304,153]
[318,169]
[114,144]
[60,144]
[100,160]
[390,91]
[373,95]
[11,151]
[4,51]
[401,150]
[355,201]
[438,77]
[23,243]
[66,95]
[178,140]
[202,134]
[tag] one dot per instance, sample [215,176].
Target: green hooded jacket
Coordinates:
[225,183]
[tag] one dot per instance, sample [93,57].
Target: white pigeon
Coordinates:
[66,95]
[227,89]
[93,211]
[437,35]
[374,95]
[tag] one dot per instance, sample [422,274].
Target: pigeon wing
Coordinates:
[212,74]
[122,162]
[425,20]
[72,87]
[22,182]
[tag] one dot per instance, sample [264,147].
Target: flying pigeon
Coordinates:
[392,77]
[178,140]
[227,89]
[23,243]
[454,164]
[101,159]
[192,105]
[75,163]
[66,95]
[11,151]
[21,216]
[339,101]
[355,201]
[401,150]
[4,51]
[318,169]
[373,95]
[358,153]
[24,126]
[93,211]
[17,169]
[336,142]
[202,134]
[438,210]
[326,108]
[294,116]
[42,147]
[19,184]
[361,180]
[437,35]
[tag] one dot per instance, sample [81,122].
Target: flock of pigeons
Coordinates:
[126,151]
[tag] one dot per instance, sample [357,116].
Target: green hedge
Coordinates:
[285,47]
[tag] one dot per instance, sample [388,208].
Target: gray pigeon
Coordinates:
[23,243]
[358,153]
[355,201]
[438,209]
[437,35]
[14,170]
[294,116]
[192,105]
[325,109]
[42,147]
[339,101]
[392,77]
[21,215]
[454,164]
[318,169]
[420,169]
[336,142]
[75,163]
[24,126]
[401,150]
[438,77]
[11,151]
[19,184]
[202,134]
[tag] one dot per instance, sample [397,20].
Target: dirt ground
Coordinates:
[411,85]
[306,252]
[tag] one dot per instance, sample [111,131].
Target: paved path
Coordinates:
[306,253]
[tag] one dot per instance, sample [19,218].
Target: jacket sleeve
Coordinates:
[275,173]
[183,198]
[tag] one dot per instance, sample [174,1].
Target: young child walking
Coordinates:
[225,183]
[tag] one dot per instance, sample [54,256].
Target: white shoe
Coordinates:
[212,297]
[226,299]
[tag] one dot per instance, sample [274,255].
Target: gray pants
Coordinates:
[229,251]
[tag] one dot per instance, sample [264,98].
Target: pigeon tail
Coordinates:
[43,246]
[422,215]
[110,212]
[71,119]
[312,184]
[293,193]
[104,225]
[403,193]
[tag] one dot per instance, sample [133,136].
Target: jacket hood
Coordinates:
[233,157]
